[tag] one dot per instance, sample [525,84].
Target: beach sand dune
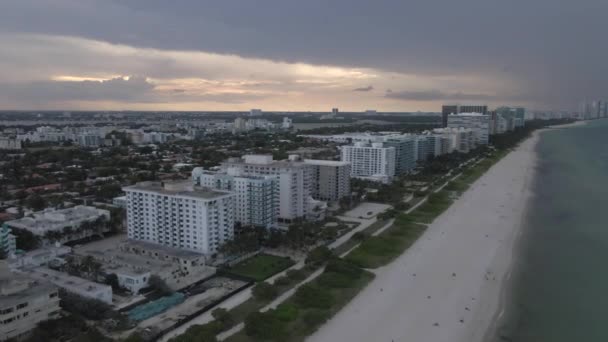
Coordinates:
[447,286]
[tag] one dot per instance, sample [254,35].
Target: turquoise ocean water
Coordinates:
[559,290]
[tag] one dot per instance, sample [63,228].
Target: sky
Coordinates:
[294,55]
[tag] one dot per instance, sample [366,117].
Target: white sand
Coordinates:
[474,239]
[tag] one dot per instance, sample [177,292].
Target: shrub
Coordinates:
[335,280]
[359,236]
[282,281]
[315,317]
[318,255]
[343,267]
[264,326]
[296,275]
[200,333]
[264,291]
[159,285]
[223,317]
[286,312]
[309,296]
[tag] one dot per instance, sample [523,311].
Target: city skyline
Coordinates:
[389,56]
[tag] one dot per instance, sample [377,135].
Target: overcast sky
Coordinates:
[402,55]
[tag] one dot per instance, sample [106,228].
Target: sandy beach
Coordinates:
[447,286]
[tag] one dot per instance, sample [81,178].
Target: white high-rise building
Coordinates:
[287,123]
[180,215]
[295,184]
[255,112]
[479,123]
[240,124]
[370,161]
[7,143]
[257,197]
[331,179]
[459,139]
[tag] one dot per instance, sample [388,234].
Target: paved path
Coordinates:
[363,224]
[272,305]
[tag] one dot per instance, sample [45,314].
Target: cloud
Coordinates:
[42,71]
[436,95]
[368,88]
[545,47]
[132,88]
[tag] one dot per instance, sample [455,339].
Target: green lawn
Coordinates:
[261,266]
[433,207]
[311,306]
[353,242]
[380,250]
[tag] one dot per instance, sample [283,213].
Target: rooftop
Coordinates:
[265,160]
[20,288]
[51,219]
[177,188]
[326,162]
[174,252]
[469,114]
[64,280]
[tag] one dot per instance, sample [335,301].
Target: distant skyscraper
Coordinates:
[255,112]
[445,111]
[479,123]
[458,109]
[371,161]
[473,109]
[334,111]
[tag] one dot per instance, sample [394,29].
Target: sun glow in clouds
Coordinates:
[143,78]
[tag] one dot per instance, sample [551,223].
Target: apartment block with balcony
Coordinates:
[295,179]
[256,197]
[370,161]
[180,215]
[477,122]
[331,179]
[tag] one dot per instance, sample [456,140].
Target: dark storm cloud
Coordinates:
[553,48]
[436,95]
[368,88]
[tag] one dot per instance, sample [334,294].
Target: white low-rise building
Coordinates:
[120,201]
[130,278]
[24,303]
[40,256]
[64,222]
[76,285]
[9,144]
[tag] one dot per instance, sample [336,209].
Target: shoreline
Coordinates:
[507,282]
[441,290]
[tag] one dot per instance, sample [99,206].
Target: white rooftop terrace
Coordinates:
[52,220]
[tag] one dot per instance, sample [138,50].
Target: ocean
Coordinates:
[559,287]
